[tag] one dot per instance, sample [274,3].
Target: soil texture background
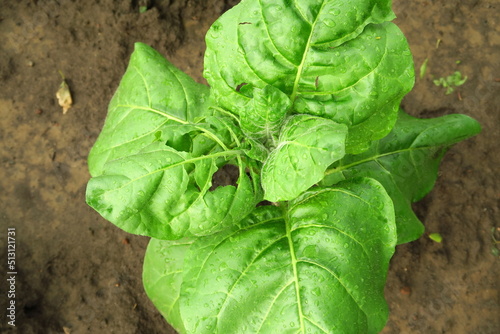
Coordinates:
[77,273]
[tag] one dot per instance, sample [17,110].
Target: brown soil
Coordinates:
[79,272]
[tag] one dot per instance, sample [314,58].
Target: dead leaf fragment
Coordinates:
[64,96]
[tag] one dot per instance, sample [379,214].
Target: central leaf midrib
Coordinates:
[294,261]
[154,110]
[243,273]
[300,69]
[375,158]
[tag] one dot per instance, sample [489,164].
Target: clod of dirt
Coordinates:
[64,96]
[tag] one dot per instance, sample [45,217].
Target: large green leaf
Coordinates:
[306,147]
[336,59]
[317,266]
[160,147]
[162,277]
[156,193]
[153,94]
[406,162]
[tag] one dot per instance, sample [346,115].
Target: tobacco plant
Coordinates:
[304,102]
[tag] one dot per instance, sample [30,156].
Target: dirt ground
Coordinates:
[78,273]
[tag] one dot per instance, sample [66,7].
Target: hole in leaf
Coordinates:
[225,176]
[238,88]
[264,203]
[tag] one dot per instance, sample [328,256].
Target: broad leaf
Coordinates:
[335,59]
[306,147]
[152,95]
[406,162]
[160,147]
[162,277]
[318,266]
[156,193]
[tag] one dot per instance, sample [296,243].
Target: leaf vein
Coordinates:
[228,237]
[337,278]
[242,274]
[271,39]
[338,230]
[304,57]
[273,302]
[145,84]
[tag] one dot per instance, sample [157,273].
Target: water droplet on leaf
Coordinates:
[316,291]
[334,11]
[329,23]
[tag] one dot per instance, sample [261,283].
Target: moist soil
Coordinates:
[77,273]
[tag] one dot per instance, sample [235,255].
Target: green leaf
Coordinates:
[265,113]
[152,95]
[436,237]
[423,68]
[406,163]
[255,150]
[307,146]
[335,59]
[156,193]
[362,89]
[160,147]
[317,267]
[162,277]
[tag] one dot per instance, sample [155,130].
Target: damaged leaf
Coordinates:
[64,96]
